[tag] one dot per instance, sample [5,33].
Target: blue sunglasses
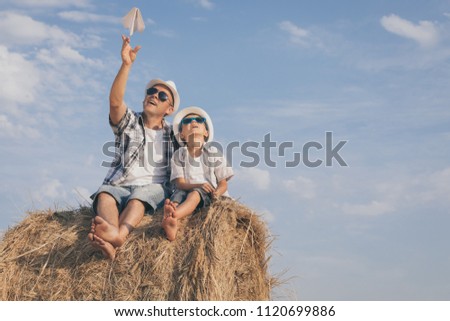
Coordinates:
[188,120]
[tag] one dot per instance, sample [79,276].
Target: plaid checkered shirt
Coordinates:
[129,147]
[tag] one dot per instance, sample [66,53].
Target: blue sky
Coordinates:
[375,74]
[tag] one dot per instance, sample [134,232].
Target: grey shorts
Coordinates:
[179,196]
[152,195]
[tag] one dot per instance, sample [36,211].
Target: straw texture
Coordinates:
[220,254]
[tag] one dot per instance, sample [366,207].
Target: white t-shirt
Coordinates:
[213,169]
[194,171]
[152,171]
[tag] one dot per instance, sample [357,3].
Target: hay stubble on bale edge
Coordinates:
[220,254]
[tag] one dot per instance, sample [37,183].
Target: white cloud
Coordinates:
[52,3]
[425,33]
[206,4]
[82,195]
[89,160]
[297,35]
[199,19]
[82,16]
[165,33]
[373,208]
[149,21]
[256,178]
[50,190]
[19,78]
[416,190]
[11,130]
[432,188]
[267,215]
[24,30]
[45,80]
[393,193]
[301,187]
[64,54]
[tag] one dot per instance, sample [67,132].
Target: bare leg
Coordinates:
[129,219]
[171,217]
[108,215]
[109,226]
[188,206]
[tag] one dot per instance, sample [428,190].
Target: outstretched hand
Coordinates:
[128,54]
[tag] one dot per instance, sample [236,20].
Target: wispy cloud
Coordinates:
[206,4]
[425,33]
[165,33]
[59,58]
[302,187]
[255,177]
[16,130]
[296,34]
[52,189]
[82,194]
[52,3]
[398,194]
[372,208]
[267,215]
[199,19]
[82,16]
[24,30]
[16,85]
[149,21]
[65,54]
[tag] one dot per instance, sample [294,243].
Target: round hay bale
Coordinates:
[219,254]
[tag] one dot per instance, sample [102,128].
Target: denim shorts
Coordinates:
[179,196]
[152,195]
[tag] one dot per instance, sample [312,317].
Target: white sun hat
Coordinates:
[173,88]
[187,111]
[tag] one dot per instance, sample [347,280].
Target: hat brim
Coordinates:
[192,110]
[170,85]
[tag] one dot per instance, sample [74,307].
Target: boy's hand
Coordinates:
[128,54]
[208,188]
[215,195]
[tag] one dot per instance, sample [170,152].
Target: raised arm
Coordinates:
[117,107]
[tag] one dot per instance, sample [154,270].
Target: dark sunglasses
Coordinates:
[198,120]
[162,96]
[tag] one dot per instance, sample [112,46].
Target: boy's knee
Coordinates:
[195,194]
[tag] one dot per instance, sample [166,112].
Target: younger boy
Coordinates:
[200,174]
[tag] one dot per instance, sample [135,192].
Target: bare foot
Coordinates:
[107,232]
[92,231]
[107,248]
[169,223]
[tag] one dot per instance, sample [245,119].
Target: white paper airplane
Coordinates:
[133,21]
